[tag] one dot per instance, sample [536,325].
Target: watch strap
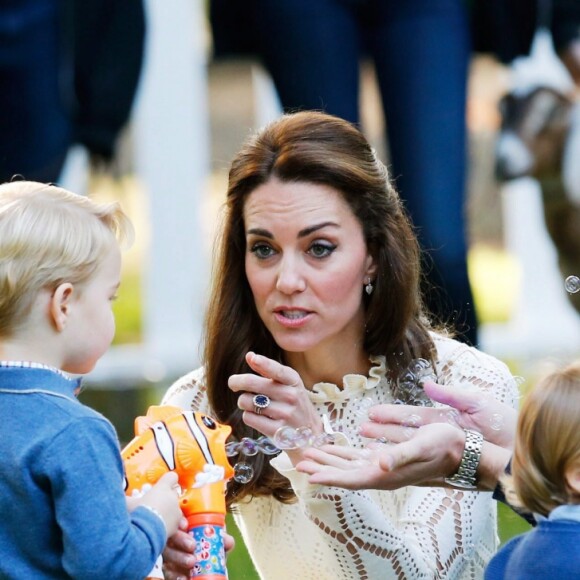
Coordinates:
[466,474]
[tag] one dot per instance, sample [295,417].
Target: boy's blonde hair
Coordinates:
[48,236]
[548,442]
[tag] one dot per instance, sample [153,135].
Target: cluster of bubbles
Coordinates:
[247,447]
[572,284]
[285,438]
[408,389]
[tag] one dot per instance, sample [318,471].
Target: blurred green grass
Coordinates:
[127,308]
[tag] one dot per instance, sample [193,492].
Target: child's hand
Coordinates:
[163,497]
[178,558]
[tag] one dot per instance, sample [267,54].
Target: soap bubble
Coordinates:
[572,284]
[496,421]
[449,416]
[266,446]
[232,448]
[290,438]
[284,438]
[408,389]
[410,423]
[243,472]
[248,447]
[304,437]
[324,439]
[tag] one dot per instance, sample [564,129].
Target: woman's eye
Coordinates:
[319,250]
[262,251]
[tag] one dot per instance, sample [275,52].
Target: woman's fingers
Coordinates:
[274,397]
[389,433]
[496,421]
[464,408]
[250,383]
[341,466]
[338,456]
[400,413]
[270,378]
[464,400]
[273,370]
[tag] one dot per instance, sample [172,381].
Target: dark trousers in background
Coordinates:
[35,121]
[69,71]
[421,51]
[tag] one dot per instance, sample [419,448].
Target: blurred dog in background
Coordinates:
[540,138]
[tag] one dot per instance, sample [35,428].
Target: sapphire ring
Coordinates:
[261,402]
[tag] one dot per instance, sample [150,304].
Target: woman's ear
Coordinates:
[572,476]
[371,268]
[59,307]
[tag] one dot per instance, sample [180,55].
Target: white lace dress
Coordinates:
[332,533]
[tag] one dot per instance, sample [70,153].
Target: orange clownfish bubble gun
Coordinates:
[193,445]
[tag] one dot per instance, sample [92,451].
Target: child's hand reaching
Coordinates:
[163,498]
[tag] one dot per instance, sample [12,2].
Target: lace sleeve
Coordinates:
[188,393]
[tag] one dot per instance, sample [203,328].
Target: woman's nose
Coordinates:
[290,277]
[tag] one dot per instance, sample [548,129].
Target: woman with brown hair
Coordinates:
[314,314]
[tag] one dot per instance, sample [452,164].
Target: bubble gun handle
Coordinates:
[205,510]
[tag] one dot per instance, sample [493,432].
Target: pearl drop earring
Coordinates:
[369,287]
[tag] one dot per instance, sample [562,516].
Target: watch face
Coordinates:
[461,484]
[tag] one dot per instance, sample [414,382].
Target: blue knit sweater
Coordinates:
[549,551]
[63,511]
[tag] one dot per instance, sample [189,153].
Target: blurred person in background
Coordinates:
[69,70]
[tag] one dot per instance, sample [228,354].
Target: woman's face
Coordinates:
[306,263]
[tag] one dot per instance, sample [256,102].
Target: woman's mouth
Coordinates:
[294,314]
[292,318]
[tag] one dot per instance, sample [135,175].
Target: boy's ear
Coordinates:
[572,475]
[60,305]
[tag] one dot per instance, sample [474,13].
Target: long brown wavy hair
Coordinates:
[316,148]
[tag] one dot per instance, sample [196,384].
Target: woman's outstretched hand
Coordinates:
[433,452]
[466,409]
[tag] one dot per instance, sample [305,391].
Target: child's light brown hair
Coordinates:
[548,442]
[48,236]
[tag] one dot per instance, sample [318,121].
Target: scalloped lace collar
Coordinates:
[352,384]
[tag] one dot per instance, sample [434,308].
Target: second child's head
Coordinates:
[546,463]
[59,272]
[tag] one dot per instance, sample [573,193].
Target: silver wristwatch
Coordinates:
[465,476]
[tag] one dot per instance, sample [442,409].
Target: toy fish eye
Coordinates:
[208,422]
